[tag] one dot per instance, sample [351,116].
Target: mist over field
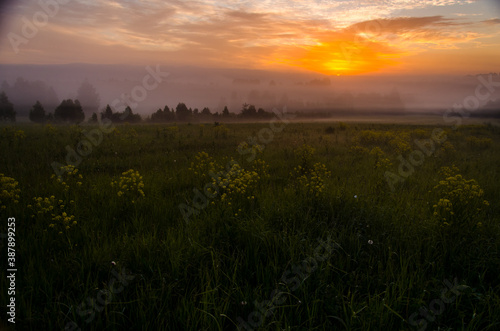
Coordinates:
[309,93]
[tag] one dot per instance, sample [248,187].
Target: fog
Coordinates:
[215,88]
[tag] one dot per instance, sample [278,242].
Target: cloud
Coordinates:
[324,36]
[374,45]
[492,21]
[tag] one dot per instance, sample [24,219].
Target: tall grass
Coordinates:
[391,257]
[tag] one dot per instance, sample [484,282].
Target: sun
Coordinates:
[336,66]
[343,57]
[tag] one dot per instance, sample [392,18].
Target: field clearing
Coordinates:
[410,118]
[296,226]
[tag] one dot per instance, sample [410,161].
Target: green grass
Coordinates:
[391,254]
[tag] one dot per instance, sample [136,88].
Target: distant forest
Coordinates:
[71,111]
[87,102]
[85,106]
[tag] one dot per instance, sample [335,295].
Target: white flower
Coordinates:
[355,197]
[370,242]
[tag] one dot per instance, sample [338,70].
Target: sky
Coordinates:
[330,37]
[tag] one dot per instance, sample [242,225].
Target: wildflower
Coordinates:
[130,185]
[370,242]
[260,166]
[203,165]
[9,191]
[459,196]
[305,153]
[48,208]
[311,179]
[221,130]
[70,177]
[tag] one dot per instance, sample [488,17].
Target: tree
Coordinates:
[262,113]
[225,112]
[248,110]
[69,111]
[206,111]
[7,112]
[23,94]
[168,114]
[157,116]
[93,118]
[88,95]
[37,113]
[107,113]
[130,117]
[164,115]
[182,112]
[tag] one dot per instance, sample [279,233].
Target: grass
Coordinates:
[140,265]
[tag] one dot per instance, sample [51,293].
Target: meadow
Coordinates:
[297,226]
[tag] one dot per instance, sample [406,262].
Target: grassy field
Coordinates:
[272,226]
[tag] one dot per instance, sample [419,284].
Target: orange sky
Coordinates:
[330,37]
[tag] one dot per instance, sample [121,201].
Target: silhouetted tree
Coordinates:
[169,114]
[157,116]
[262,113]
[93,118]
[206,111]
[7,112]
[225,112]
[108,113]
[164,115]
[248,110]
[182,112]
[129,116]
[69,111]
[37,113]
[24,94]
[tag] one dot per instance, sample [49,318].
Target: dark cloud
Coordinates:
[402,24]
[492,21]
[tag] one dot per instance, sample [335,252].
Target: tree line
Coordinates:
[182,113]
[71,111]
[68,111]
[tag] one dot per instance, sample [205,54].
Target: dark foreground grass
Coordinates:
[309,251]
